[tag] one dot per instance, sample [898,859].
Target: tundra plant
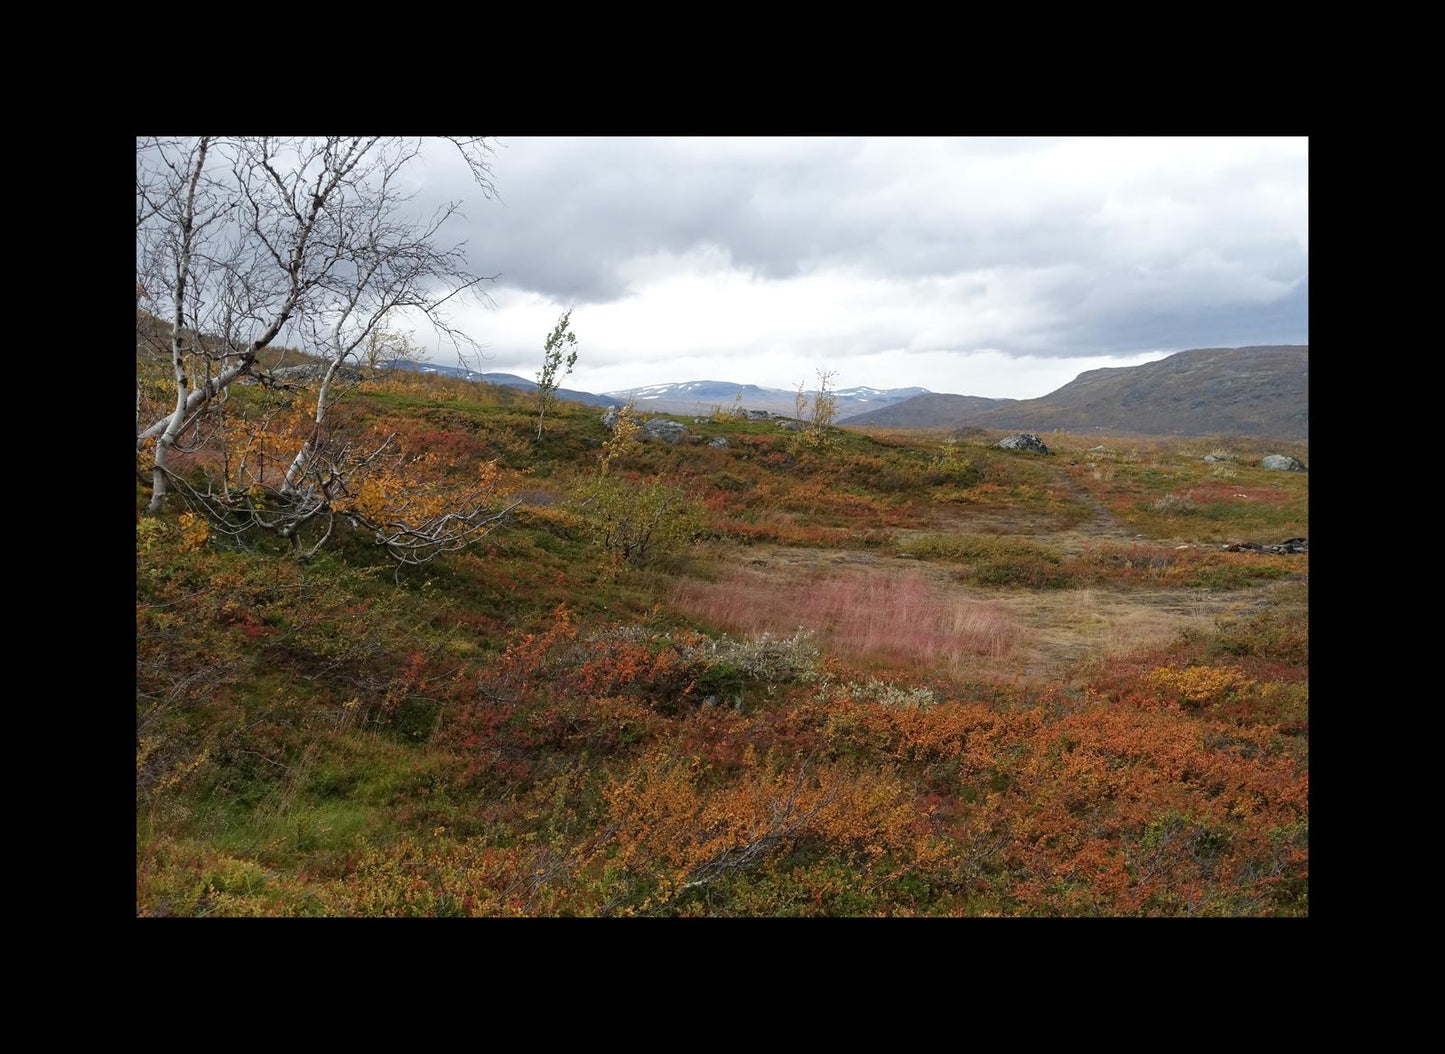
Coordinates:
[555,356]
[818,414]
[624,437]
[639,521]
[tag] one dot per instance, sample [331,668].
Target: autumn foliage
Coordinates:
[542,725]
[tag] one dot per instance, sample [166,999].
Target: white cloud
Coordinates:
[984,267]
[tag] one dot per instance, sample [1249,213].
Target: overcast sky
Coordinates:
[994,267]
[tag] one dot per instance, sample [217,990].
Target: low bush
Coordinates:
[639,521]
[994,560]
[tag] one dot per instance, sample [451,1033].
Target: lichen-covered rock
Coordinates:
[1283,463]
[1217,457]
[1029,441]
[609,416]
[720,442]
[791,426]
[315,372]
[665,429]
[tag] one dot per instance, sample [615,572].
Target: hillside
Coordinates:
[504,380]
[739,674]
[1256,391]
[927,411]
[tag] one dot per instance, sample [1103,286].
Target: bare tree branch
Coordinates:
[250,237]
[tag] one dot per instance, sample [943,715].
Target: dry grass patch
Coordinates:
[899,619]
[863,606]
[1082,628]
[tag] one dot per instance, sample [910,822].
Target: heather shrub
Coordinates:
[722,681]
[994,560]
[721,665]
[1175,504]
[767,658]
[885,692]
[1198,685]
[879,476]
[1271,635]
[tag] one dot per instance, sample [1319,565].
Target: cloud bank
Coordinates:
[996,267]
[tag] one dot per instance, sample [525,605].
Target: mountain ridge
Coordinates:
[1254,390]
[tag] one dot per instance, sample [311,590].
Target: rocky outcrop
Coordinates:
[665,429]
[662,428]
[314,372]
[720,442]
[1288,546]
[1029,441]
[1283,463]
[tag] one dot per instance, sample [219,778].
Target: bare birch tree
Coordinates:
[253,236]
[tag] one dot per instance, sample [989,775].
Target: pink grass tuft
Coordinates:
[859,614]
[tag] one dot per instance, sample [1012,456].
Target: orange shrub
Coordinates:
[1198,685]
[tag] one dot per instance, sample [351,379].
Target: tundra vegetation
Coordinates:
[884,674]
[413,645]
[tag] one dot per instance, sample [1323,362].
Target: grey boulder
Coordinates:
[1029,441]
[1283,463]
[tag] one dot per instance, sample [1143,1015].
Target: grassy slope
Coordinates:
[1012,693]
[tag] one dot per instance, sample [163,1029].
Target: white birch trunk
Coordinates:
[172,427]
[298,463]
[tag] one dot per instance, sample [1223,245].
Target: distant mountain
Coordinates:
[926,411]
[687,397]
[506,380]
[699,397]
[1261,391]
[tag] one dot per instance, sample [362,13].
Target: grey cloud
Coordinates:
[1176,328]
[572,213]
